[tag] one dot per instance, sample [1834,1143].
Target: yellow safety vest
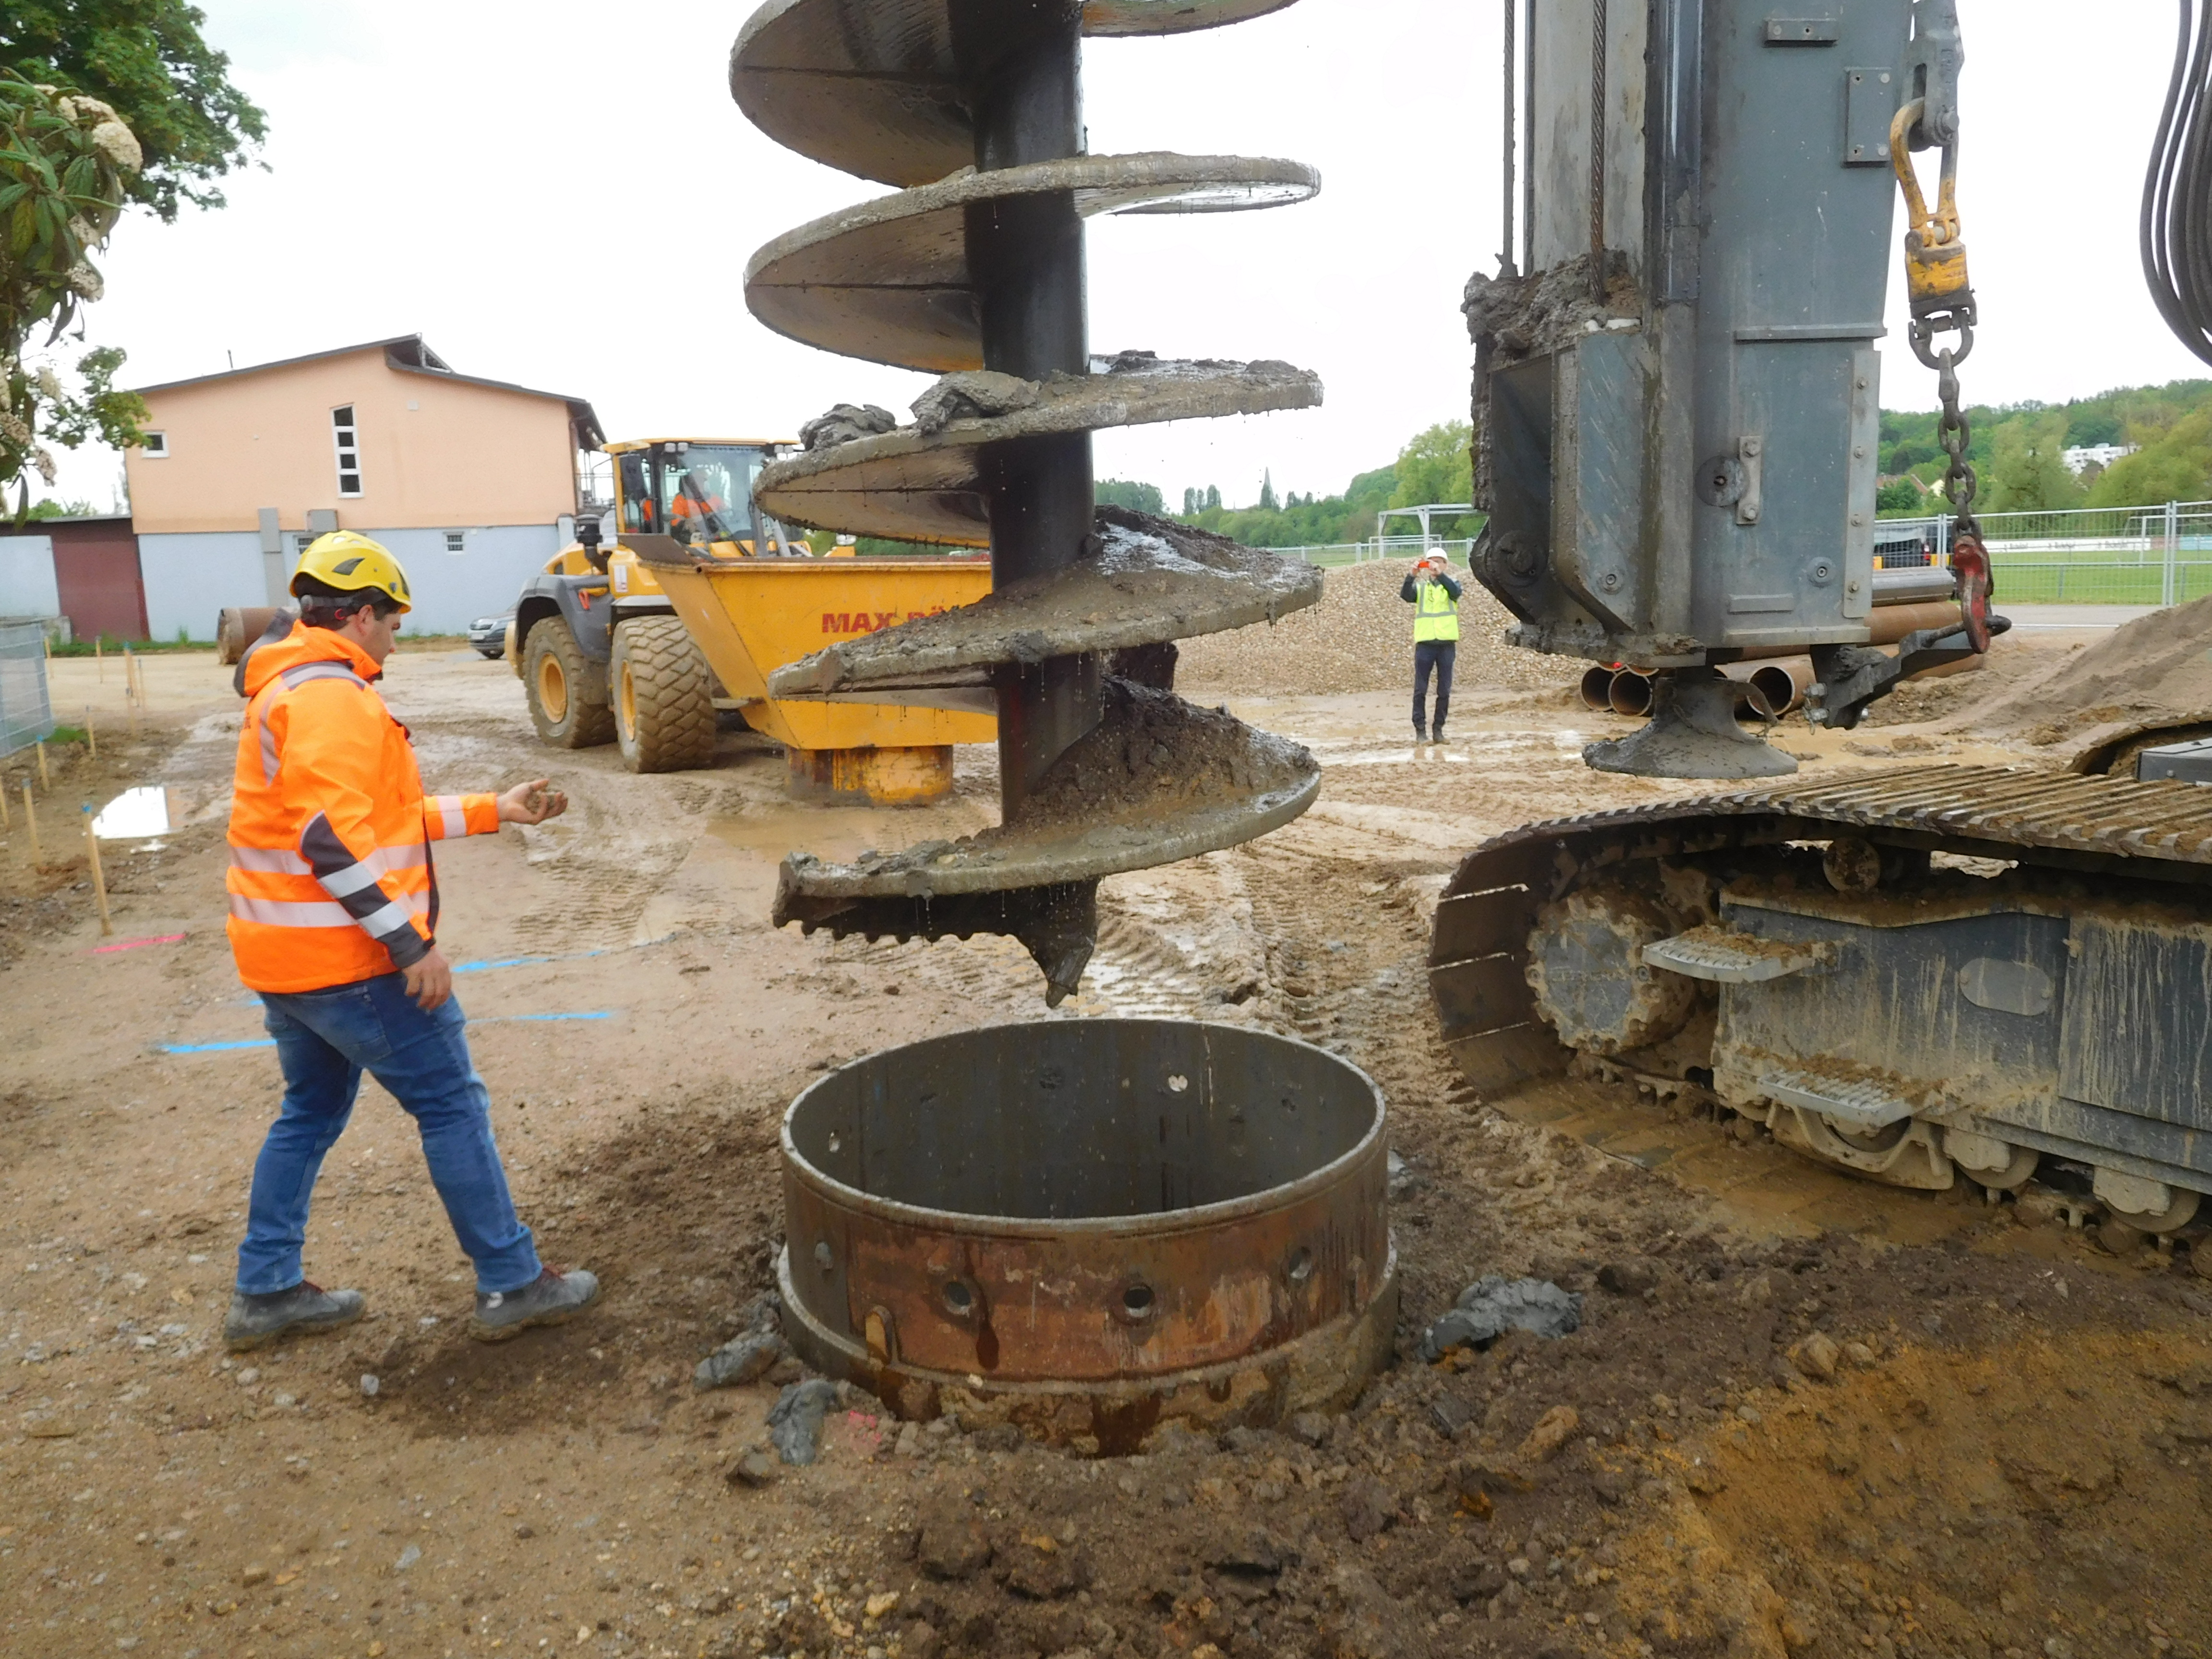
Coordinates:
[1436,617]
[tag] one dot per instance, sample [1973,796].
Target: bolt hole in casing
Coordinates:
[1091,1227]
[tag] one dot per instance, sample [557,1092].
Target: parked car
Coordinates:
[488,636]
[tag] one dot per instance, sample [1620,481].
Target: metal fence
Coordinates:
[26,714]
[2086,555]
[1379,547]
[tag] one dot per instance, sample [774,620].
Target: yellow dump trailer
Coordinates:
[751,616]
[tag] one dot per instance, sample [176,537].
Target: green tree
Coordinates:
[145,60]
[1900,498]
[2029,472]
[1136,497]
[2177,466]
[1436,466]
[65,166]
[2087,427]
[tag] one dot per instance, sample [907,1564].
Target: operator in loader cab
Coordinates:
[1435,597]
[333,920]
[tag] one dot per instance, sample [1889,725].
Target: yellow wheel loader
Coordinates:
[650,652]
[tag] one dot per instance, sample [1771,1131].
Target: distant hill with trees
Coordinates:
[1433,465]
[2015,449]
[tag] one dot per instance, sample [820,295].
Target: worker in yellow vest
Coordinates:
[1435,598]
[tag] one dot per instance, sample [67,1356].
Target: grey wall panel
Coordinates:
[451,590]
[190,575]
[27,587]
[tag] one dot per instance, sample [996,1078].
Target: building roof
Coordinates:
[410,354]
[39,526]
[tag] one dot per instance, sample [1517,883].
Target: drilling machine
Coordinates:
[975,269]
[1919,975]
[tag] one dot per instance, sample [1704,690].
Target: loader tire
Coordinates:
[664,697]
[567,691]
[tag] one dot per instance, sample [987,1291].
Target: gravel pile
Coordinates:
[1360,638]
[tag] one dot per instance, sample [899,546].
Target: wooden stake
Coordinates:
[91,737]
[99,881]
[6,823]
[99,658]
[31,820]
[45,782]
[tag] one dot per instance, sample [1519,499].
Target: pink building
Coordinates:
[472,482]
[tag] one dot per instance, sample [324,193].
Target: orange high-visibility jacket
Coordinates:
[331,880]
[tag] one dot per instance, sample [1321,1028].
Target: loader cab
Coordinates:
[699,491]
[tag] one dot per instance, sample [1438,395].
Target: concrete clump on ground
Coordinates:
[1493,1304]
[794,1422]
[750,1355]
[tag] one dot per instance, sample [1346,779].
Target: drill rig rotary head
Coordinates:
[1677,390]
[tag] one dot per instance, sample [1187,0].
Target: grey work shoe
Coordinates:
[256,1321]
[552,1298]
[1420,734]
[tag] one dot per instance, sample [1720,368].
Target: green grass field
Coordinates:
[2089,578]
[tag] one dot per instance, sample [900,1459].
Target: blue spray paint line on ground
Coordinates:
[524,961]
[271,1042]
[498,1019]
[250,1000]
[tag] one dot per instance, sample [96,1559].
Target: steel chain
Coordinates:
[1953,431]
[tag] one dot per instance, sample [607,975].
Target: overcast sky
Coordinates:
[563,195]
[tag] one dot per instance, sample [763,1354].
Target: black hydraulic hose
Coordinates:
[2177,204]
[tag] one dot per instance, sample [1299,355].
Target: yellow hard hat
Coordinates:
[350,562]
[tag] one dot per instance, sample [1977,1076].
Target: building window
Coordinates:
[456,541]
[155,446]
[348,437]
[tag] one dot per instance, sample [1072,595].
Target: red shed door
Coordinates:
[101,591]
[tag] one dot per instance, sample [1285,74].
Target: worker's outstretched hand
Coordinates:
[429,979]
[531,803]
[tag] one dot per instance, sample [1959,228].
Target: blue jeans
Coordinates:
[1437,657]
[325,1041]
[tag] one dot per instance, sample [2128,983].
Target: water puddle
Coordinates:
[137,814]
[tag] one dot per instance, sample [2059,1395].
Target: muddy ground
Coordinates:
[2002,1448]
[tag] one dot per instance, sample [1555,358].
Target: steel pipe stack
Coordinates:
[975,269]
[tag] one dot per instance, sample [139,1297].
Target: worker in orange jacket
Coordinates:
[333,920]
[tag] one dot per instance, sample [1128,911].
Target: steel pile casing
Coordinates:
[1092,1226]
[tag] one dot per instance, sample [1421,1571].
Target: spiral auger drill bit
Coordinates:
[975,269]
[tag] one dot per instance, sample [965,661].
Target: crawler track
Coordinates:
[1891,1056]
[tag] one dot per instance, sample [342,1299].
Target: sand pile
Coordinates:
[2156,667]
[1360,638]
